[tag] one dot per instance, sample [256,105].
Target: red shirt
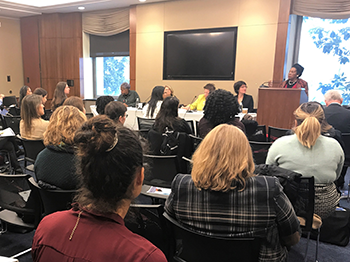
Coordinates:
[96,238]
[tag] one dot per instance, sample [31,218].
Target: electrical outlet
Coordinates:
[8,78]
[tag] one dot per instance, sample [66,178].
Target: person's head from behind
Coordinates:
[223,160]
[333,96]
[64,122]
[101,103]
[76,102]
[221,107]
[208,88]
[32,108]
[41,92]
[24,91]
[116,111]
[167,114]
[240,87]
[308,119]
[124,88]
[168,91]
[110,165]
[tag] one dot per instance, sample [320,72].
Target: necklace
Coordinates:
[291,83]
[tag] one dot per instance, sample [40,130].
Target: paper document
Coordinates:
[7,132]
[159,190]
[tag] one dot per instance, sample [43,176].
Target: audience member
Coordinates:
[128,97]
[220,108]
[336,115]
[111,172]
[200,102]
[116,111]
[168,91]
[24,91]
[101,103]
[41,92]
[167,117]
[32,126]
[55,165]
[244,100]
[294,81]
[76,102]
[60,94]
[309,153]
[152,108]
[222,197]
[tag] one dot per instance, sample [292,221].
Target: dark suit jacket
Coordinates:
[248,102]
[338,117]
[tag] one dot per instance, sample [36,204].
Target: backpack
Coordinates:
[170,142]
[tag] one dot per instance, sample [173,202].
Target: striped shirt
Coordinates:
[260,210]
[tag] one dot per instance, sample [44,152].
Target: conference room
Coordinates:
[42,46]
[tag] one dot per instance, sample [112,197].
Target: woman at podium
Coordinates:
[294,80]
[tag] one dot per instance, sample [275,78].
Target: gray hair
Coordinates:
[125,85]
[333,95]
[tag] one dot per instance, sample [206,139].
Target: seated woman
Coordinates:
[221,108]
[244,100]
[222,197]
[168,117]
[32,126]
[116,111]
[76,102]
[111,173]
[60,94]
[42,92]
[200,101]
[55,165]
[168,91]
[311,154]
[101,103]
[294,80]
[152,108]
[24,91]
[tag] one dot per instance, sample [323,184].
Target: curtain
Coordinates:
[326,9]
[106,22]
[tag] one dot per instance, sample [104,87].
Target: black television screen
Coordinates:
[204,54]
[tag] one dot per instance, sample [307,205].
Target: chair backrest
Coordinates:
[260,150]
[191,125]
[275,132]
[192,246]
[18,196]
[305,205]
[160,170]
[54,200]
[32,148]
[196,141]
[145,123]
[13,122]
[346,139]
[261,129]
[7,101]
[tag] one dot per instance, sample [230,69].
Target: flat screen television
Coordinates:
[203,54]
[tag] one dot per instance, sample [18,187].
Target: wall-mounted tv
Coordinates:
[203,54]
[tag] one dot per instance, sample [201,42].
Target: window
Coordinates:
[324,52]
[110,73]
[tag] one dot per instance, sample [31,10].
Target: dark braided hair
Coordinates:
[221,106]
[106,174]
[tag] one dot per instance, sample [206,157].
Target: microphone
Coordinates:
[189,109]
[264,84]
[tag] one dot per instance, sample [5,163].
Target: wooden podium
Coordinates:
[276,106]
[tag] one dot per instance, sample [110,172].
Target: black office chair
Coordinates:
[275,132]
[160,170]
[188,246]
[54,200]
[8,101]
[21,205]
[31,150]
[195,141]
[346,139]
[260,150]
[260,134]
[145,123]
[13,122]
[191,125]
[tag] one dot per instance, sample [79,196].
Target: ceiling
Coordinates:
[14,10]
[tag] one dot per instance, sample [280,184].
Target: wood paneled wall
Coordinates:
[59,50]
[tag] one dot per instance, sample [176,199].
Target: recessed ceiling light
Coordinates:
[81,7]
[142,0]
[41,3]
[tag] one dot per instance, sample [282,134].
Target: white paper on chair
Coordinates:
[159,190]
[7,132]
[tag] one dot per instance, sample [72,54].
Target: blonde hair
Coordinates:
[309,117]
[171,90]
[223,157]
[64,122]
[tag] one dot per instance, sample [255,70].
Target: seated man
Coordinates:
[336,115]
[127,96]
